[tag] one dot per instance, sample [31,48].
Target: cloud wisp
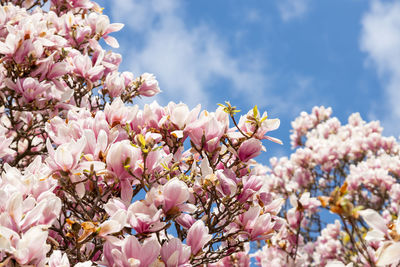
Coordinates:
[293,9]
[186,59]
[380,39]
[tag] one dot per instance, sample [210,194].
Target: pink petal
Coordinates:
[374,220]
[111,41]
[389,255]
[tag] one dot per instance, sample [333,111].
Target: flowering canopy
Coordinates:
[352,171]
[89,179]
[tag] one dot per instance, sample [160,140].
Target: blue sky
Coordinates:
[286,56]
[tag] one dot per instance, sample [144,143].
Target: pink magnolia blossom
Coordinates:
[129,252]
[83,66]
[155,160]
[66,157]
[29,88]
[114,205]
[98,145]
[57,259]
[118,113]
[241,259]
[175,192]
[207,127]
[144,218]
[272,256]
[249,149]
[114,224]
[251,185]
[198,236]
[86,4]
[30,248]
[185,220]
[122,156]
[51,69]
[388,252]
[174,253]
[180,115]
[309,203]
[102,26]
[10,45]
[259,226]
[227,185]
[114,84]
[152,115]
[267,125]
[111,60]
[5,142]
[149,85]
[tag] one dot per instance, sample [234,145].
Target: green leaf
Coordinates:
[255,111]
[141,140]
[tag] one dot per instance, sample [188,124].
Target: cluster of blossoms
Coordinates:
[347,173]
[209,193]
[88,179]
[52,62]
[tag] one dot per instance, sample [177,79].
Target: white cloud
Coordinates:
[292,9]
[185,59]
[380,39]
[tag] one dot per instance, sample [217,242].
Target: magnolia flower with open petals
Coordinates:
[198,236]
[389,252]
[130,252]
[144,218]
[175,192]
[249,149]
[103,28]
[259,226]
[66,157]
[30,248]
[57,259]
[180,115]
[206,131]
[122,156]
[174,253]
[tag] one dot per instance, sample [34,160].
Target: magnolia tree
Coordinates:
[89,179]
[342,191]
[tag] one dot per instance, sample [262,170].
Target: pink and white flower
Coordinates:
[197,236]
